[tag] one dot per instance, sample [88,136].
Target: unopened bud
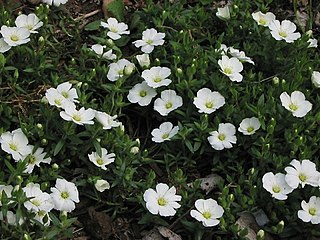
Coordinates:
[39,126]
[260,235]
[134,150]
[55,166]
[309,33]
[128,69]
[110,42]
[275,80]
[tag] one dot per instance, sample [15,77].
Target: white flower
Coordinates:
[313,43]
[98,49]
[302,173]
[231,67]
[101,185]
[284,31]
[150,38]
[39,201]
[103,160]
[223,49]
[8,190]
[15,143]
[207,212]
[117,69]
[142,94]
[67,92]
[157,76]
[310,211]
[168,102]
[106,120]
[276,185]
[207,101]
[296,103]
[263,19]
[163,201]
[15,36]
[57,99]
[116,29]
[240,55]
[143,60]
[165,132]
[34,159]
[224,137]
[4,47]
[55,2]
[223,13]
[30,22]
[12,218]
[82,116]
[249,126]
[64,195]
[315,79]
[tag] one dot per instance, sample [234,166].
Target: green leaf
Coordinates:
[116,8]
[93,26]
[58,147]
[97,146]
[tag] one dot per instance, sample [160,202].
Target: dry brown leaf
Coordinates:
[166,232]
[152,235]
[210,182]
[317,19]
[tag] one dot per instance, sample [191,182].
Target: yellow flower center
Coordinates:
[14,38]
[276,189]
[206,215]
[32,159]
[168,105]
[58,102]
[41,213]
[262,21]
[76,117]
[162,201]
[13,146]
[120,72]
[143,93]
[221,137]
[157,79]
[209,104]
[64,195]
[99,161]
[29,27]
[227,70]
[250,129]
[302,177]
[283,34]
[149,41]
[65,94]
[166,135]
[293,107]
[114,30]
[36,202]
[312,211]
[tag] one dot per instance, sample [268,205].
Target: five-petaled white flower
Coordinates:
[276,185]
[208,101]
[55,2]
[64,195]
[106,120]
[310,211]
[103,160]
[15,143]
[143,60]
[263,19]
[67,92]
[30,22]
[150,38]
[98,49]
[157,76]
[15,36]
[142,94]
[38,200]
[315,78]
[223,13]
[82,116]
[116,29]
[207,212]
[231,67]
[165,132]
[117,69]
[163,201]
[224,137]
[35,158]
[168,102]
[296,103]
[101,185]
[284,31]
[4,47]
[249,126]
[303,173]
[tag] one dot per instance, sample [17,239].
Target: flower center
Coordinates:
[162,201]
[283,34]
[262,21]
[120,72]
[14,38]
[166,135]
[312,211]
[143,93]
[276,189]
[32,159]
[113,29]
[29,27]
[149,41]
[65,94]
[227,70]
[64,195]
[250,129]
[157,79]
[209,104]
[302,177]
[41,213]
[221,137]
[76,117]
[293,107]
[36,202]
[58,102]
[13,146]
[99,161]
[206,215]
[168,105]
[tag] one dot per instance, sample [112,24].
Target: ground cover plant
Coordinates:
[173,120]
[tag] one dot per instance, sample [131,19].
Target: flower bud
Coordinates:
[101,185]
[275,80]
[223,13]
[110,42]
[39,126]
[55,166]
[44,141]
[134,150]
[143,60]
[260,235]
[309,33]
[128,69]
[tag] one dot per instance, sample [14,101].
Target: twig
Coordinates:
[88,15]
[178,220]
